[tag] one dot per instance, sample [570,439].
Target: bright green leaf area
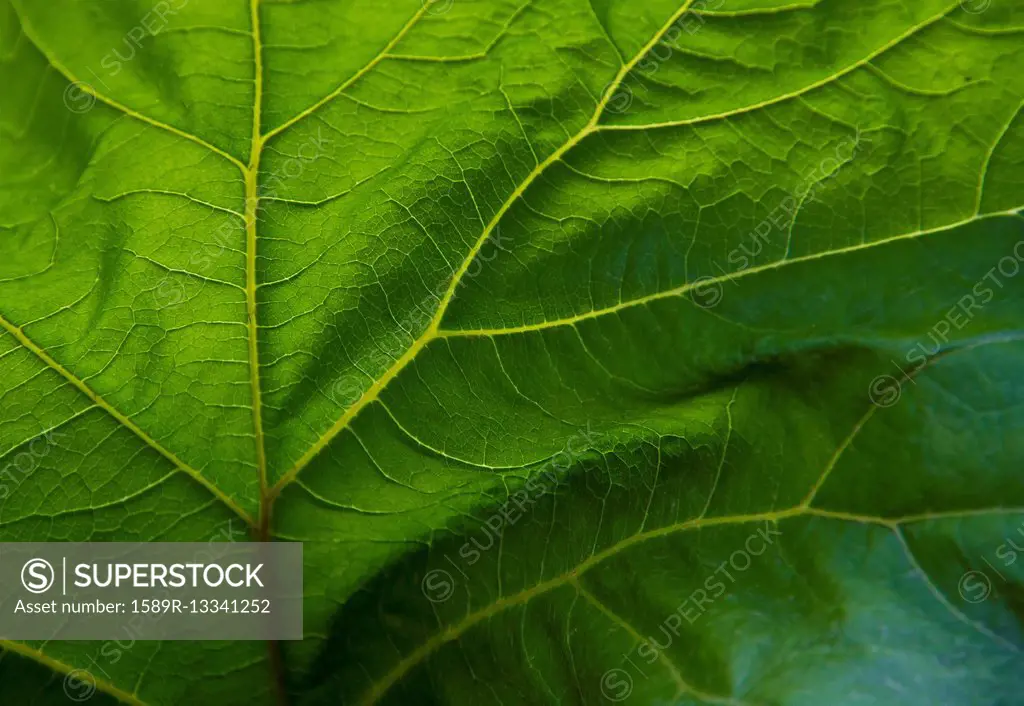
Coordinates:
[596,350]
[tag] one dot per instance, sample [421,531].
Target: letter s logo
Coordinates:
[37,576]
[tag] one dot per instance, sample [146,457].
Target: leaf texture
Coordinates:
[527,317]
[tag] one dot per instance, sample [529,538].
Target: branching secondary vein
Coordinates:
[433,328]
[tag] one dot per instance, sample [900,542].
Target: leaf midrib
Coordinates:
[251,176]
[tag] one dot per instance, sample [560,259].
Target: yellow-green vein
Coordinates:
[91,90]
[456,630]
[251,173]
[710,281]
[433,327]
[25,341]
[383,54]
[59,667]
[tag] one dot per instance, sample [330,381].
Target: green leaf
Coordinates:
[596,351]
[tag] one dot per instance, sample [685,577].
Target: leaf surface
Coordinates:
[534,320]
